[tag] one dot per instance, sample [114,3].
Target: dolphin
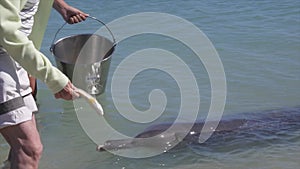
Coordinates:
[258,124]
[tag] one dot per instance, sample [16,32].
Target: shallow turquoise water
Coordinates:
[259,45]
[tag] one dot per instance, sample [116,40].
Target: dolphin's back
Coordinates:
[258,124]
[196,128]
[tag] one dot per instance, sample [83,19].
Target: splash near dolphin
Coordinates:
[249,126]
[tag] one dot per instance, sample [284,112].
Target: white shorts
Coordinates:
[14,83]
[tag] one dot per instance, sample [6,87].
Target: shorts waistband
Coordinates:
[12,104]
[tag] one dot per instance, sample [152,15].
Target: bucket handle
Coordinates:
[92,17]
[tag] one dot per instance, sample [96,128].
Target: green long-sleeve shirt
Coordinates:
[22,50]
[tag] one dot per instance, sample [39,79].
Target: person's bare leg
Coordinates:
[26,146]
[10,153]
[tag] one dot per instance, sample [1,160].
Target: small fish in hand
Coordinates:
[91,100]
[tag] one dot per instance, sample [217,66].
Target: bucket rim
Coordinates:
[113,45]
[107,56]
[83,34]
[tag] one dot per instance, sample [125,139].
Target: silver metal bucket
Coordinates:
[85,59]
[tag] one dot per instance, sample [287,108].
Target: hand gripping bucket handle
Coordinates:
[91,17]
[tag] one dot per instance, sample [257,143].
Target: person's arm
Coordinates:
[22,50]
[69,13]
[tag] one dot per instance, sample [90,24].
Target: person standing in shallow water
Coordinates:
[18,58]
